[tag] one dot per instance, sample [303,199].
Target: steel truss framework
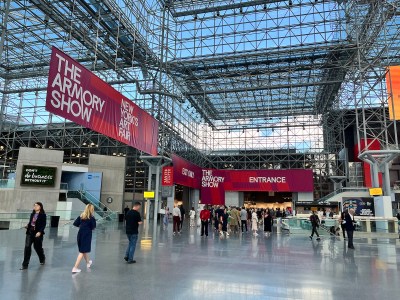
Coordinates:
[247,84]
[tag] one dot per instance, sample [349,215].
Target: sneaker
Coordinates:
[43,262]
[89,264]
[227,234]
[126,258]
[76,270]
[23,267]
[318,238]
[310,237]
[131,261]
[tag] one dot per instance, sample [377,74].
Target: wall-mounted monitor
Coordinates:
[38,175]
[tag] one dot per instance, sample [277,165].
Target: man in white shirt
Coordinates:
[176,217]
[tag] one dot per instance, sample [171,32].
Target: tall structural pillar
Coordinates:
[155,164]
[379,161]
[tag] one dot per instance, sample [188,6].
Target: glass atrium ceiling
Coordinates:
[217,74]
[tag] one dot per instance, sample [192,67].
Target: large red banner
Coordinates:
[294,180]
[76,94]
[213,183]
[186,173]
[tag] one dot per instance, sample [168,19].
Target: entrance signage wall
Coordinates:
[213,183]
[76,94]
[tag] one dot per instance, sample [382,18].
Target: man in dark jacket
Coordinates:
[349,225]
[133,220]
[314,219]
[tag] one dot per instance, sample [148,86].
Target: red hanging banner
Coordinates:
[167,178]
[76,94]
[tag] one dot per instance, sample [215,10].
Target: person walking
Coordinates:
[166,218]
[183,213]
[314,219]
[192,214]
[243,218]
[34,235]
[342,223]
[234,220]
[86,223]
[254,223]
[267,223]
[176,218]
[205,216]
[224,217]
[349,225]
[133,220]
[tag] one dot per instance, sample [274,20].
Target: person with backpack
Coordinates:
[314,219]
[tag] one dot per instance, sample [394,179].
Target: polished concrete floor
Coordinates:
[187,266]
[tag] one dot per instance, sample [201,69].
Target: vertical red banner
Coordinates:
[212,187]
[167,178]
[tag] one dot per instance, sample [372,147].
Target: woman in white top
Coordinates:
[254,222]
[192,214]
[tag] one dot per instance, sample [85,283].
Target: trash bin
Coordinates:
[54,220]
[120,217]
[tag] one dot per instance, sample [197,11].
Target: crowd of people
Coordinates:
[86,224]
[225,220]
